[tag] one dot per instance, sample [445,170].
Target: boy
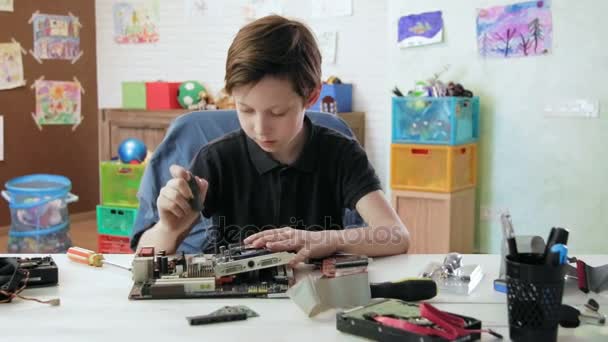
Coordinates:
[281,182]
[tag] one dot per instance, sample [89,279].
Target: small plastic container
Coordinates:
[39,213]
[342,95]
[435,120]
[113,244]
[115,221]
[119,183]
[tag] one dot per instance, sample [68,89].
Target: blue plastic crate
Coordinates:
[341,93]
[435,120]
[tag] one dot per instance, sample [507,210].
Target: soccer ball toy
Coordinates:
[189,94]
[132,151]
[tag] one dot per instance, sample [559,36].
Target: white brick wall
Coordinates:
[194,45]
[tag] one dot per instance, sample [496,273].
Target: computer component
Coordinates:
[237,271]
[395,320]
[17,274]
[42,271]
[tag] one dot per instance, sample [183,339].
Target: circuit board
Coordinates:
[234,272]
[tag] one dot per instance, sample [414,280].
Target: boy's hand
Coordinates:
[174,209]
[308,244]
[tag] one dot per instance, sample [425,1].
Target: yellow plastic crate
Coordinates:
[119,184]
[438,168]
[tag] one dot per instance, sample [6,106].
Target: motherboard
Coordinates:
[236,271]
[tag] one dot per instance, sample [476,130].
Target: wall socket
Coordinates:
[579,108]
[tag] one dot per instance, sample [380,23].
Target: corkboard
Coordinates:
[55,149]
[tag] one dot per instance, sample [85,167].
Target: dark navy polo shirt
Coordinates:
[249,191]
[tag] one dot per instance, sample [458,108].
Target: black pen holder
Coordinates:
[534,297]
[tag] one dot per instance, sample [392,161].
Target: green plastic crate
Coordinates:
[115,221]
[119,183]
[134,95]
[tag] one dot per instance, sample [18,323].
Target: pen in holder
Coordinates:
[534,297]
[512,245]
[526,243]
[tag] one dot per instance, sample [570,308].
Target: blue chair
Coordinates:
[184,138]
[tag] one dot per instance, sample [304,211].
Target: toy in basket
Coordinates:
[39,214]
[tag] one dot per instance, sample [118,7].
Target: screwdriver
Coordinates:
[88,257]
[409,290]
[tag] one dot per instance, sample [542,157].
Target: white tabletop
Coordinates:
[94,307]
[396,267]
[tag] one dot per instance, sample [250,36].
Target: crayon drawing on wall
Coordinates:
[136,22]
[256,9]
[56,37]
[518,30]
[57,102]
[6,5]
[420,29]
[11,66]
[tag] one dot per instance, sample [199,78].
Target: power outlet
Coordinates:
[581,108]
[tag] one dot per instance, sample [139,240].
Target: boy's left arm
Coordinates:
[384,235]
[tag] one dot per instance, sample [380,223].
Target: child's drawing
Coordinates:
[523,29]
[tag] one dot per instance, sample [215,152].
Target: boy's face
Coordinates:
[272,114]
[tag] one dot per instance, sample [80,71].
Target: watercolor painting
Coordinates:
[136,22]
[518,30]
[57,102]
[11,66]
[56,37]
[420,29]
[6,5]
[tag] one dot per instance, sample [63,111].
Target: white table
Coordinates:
[94,307]
[401,266]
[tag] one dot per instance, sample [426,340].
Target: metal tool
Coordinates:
[88,257]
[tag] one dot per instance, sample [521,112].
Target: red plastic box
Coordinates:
[113,244]
[162,95]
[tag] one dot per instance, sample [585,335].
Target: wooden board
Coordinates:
[55,149]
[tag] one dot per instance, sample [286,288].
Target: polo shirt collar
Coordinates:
[306,162]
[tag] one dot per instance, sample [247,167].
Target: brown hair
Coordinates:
[278,47]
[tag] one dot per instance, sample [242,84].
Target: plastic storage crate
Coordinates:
[115,221]
[119,183]
[433,167]
[113,244]
[435,120]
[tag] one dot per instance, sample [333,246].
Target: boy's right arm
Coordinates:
[176,217]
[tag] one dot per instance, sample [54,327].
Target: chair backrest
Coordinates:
[184,138]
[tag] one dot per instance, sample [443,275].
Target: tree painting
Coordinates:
[524,44]
[517,30]
[506,40]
